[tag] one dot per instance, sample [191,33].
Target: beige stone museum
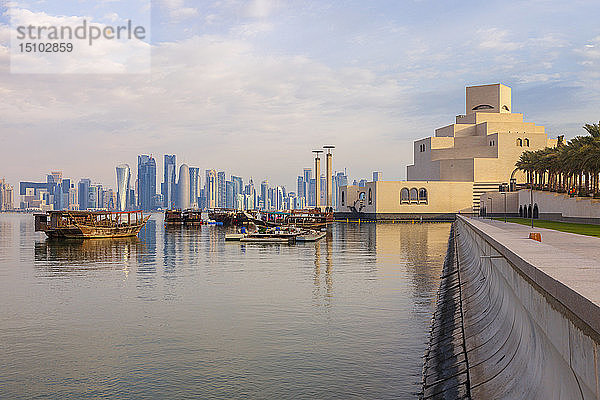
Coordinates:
[454,167]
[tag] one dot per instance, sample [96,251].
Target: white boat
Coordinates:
[311,236]
[234,237]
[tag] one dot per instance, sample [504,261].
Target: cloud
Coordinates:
[211,99]
[177,10]
[252,86]
[497,40]
[103,56]
[251,29]
[261,8]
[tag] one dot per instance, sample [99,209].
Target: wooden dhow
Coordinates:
[90,224]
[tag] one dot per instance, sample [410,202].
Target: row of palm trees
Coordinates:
[572,167]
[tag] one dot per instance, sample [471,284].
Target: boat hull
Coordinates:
[93,233]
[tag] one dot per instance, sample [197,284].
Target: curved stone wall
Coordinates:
[519,343]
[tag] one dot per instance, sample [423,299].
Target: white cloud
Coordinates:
[539,77]
[261,8]
[207,95]
[497,40]
[177,10]
[251,29]
[103,56]
[280,80]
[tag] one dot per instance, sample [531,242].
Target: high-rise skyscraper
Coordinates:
[222,195]
[201,199]
[123,178]
[146,182]
[251,191]
[83,193]
[311,193]
[194,186]
[183,187]
[229,199]
[238,189]
[307,178]
[279,195]
[323,193]
[6,196]
[168,185]
[264,194]
[300,186]
[377,176]
[210,188]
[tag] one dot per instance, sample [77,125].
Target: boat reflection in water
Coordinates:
[81,255]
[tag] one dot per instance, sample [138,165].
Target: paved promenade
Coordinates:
[565,265]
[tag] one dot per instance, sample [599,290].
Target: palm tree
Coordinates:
[593,130]
[568,165]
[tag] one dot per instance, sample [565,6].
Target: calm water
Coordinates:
[180,313]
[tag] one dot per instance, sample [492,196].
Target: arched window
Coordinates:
[526,142]
[536,211]
[404,196]
[362,196]
[529,211]
[422,195]
[414,195]
[370,196]
[505,108]
[483,107]
[519,142]
[521,211]
[343,197]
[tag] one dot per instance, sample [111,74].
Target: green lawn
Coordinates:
[581,229]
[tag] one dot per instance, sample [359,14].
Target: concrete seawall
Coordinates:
[516,319]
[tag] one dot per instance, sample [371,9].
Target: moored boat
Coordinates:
[311,236]
[185,217]
[90,224]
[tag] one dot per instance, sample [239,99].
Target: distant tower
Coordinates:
[194,185]
[307,178]
[221,189]
[317,180]
[146,182]
[183,192]
[83,193]
[168,185]
[123,178]
[210,189]
[264,194]
[329,175]
[377,176]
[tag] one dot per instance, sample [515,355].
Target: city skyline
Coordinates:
[366,76]
[141,191]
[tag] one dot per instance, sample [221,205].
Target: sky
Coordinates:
[252,87]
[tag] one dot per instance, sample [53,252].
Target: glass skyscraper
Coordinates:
[222,195]
[210,189]
[123,177]
[194,186]
[83,193]
[146,182]
[264,194]
[168,185]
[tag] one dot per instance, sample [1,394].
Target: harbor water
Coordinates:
[180,313]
